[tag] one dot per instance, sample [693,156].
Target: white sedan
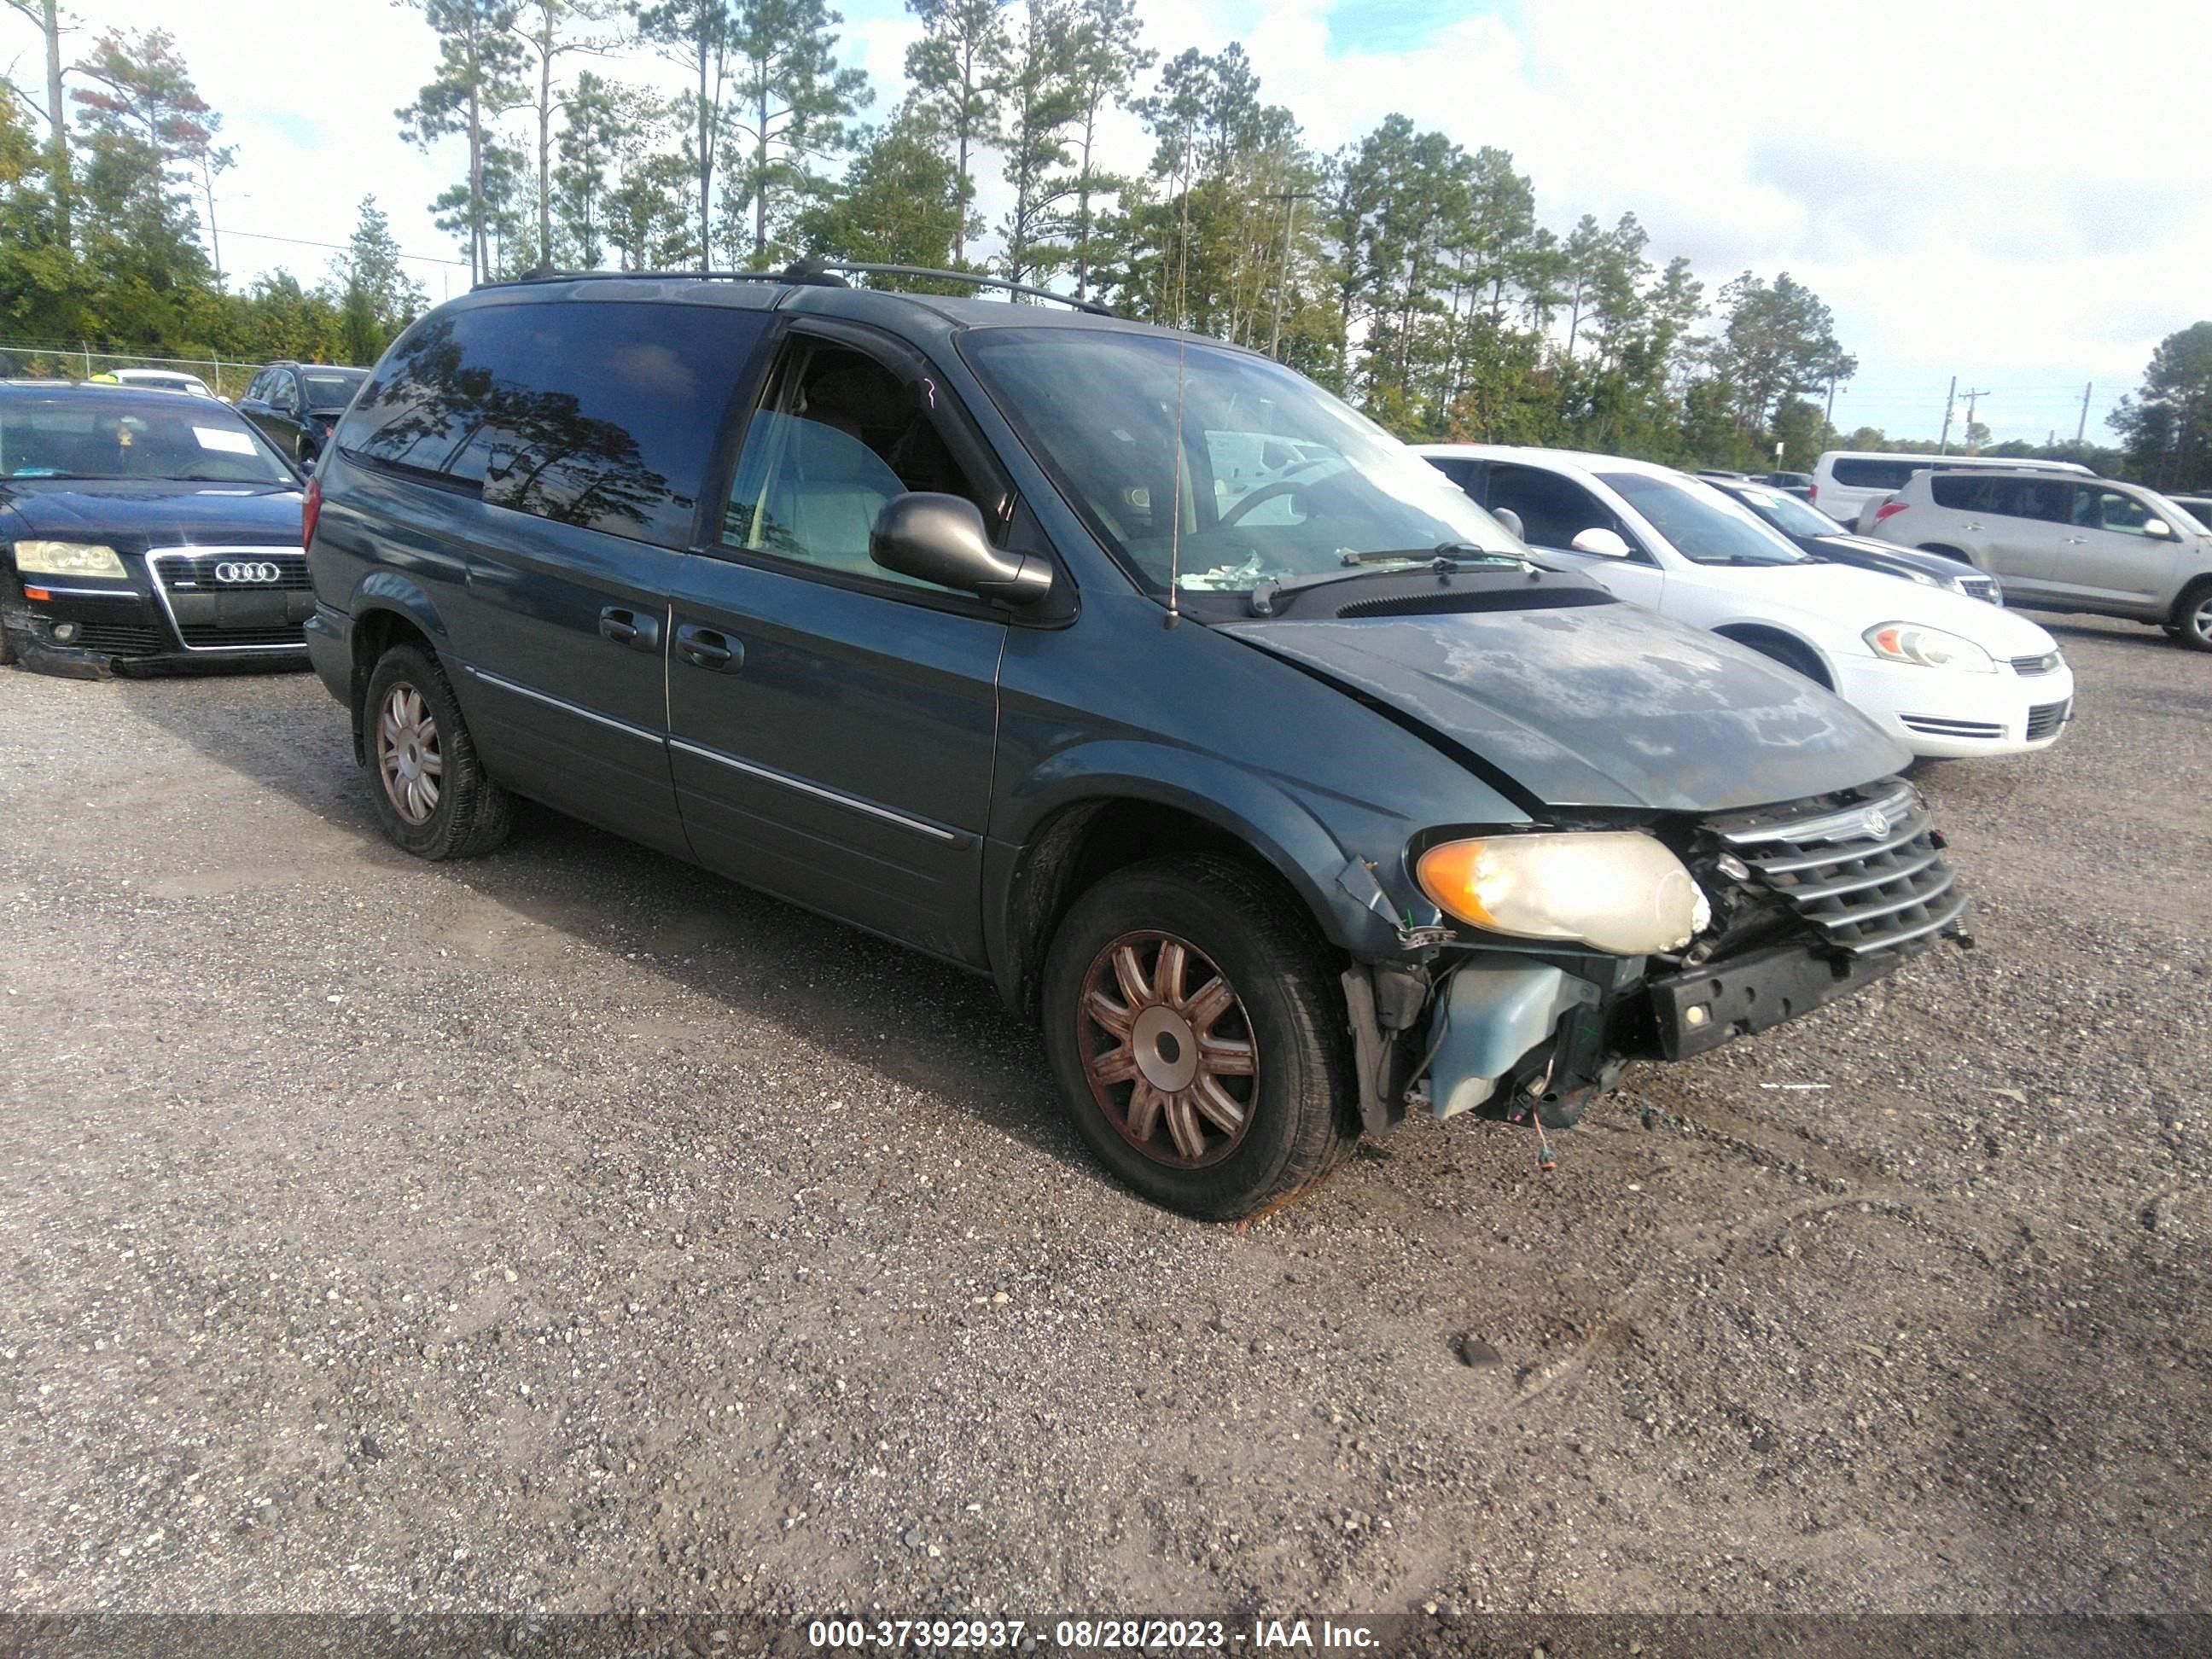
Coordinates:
[1947,677]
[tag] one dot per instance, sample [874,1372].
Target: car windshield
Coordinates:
[1277,479]
[115,434]
[1704,525]
[331,389]
[1786,512]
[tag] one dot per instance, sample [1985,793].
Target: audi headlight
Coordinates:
[1928,648]
[68,559]
[1616,890]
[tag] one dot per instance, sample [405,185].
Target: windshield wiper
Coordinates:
[1445,558]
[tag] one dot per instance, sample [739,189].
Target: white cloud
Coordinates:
[2010,196]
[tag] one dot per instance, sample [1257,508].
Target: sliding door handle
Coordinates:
[705,647]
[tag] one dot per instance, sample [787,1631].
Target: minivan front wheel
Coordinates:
[432,794]
[1195,1027]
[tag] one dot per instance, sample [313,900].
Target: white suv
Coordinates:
[1846,481]
[1946,676]
[2112,550]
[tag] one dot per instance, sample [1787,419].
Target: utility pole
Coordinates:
[1972,448]
[2081,431]
[1828,421]
[1950,398]
[1289,199]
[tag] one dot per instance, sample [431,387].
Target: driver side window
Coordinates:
[1553,510]
[836,437]
[2107,509]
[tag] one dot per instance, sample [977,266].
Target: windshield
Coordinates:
[113,434]
[331,389]
[1278,479]
[1786,512]
[1704,526]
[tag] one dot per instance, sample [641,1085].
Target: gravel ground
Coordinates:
[569,1231]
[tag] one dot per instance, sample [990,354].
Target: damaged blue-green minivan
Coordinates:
[1281,784]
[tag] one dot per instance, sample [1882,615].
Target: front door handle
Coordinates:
[1971,527]
[2076,541]
[703,647]
[639,631]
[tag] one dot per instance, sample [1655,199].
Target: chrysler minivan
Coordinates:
[1266,770]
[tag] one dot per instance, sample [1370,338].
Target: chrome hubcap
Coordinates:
[1168,1049]
[408,756]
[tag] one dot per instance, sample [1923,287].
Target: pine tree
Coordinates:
[696,35]
[1039,95]
[955,69]
[790,101]
[478,62]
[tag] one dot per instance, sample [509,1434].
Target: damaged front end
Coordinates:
[1798,905]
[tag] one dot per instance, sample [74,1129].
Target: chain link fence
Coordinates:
[47,359]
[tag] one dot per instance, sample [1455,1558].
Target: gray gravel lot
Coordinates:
[570,1230]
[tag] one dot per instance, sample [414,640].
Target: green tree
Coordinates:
[900,203]
[2165,424]
[954,70]
[378,299]
[790,102]
[1778,340]
[52,23]
[1041,97]
[549,31]
[696,35]
[585,160]
[1105,59]
[479,64]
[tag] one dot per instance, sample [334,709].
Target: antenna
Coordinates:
[1174,503]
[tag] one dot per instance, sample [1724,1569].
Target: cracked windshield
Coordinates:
[1277,480]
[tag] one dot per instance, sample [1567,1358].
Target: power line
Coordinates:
[340,247]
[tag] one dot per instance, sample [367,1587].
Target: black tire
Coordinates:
[2192,622]
[470,813]
[1790,655]
[1300,1094]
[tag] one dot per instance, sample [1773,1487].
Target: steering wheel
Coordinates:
[1264,493]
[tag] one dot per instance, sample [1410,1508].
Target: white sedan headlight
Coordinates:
[1927,648]
[68,559]
[1616,890]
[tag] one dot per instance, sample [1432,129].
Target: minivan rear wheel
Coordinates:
[432,794]
[2192,617]
[1195,1027]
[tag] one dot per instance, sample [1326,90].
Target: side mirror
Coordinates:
[941,540]
[2160,528]
[1507,517]
[1606,544]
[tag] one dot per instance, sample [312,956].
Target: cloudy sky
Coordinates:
[2010,194]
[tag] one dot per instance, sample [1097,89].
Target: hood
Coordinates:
[1889,553]
[1607,705]
[1832,597]
[140,513]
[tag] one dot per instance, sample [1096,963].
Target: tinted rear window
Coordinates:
[594,413]
[2013,498]
[1877,475]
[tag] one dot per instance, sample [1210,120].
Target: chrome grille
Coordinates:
[1868,873]
[195,571]
[1979,587]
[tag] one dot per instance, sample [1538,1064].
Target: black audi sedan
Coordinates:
[140,530]
[1824,538]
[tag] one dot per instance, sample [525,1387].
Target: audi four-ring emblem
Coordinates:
[247,570]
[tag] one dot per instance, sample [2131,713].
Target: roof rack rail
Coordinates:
[814,273]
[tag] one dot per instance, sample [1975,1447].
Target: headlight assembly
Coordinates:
[1927,648]
[1615,891]
[68,559]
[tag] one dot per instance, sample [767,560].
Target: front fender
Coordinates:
[1271,816]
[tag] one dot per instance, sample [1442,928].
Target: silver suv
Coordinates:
[2114,550]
